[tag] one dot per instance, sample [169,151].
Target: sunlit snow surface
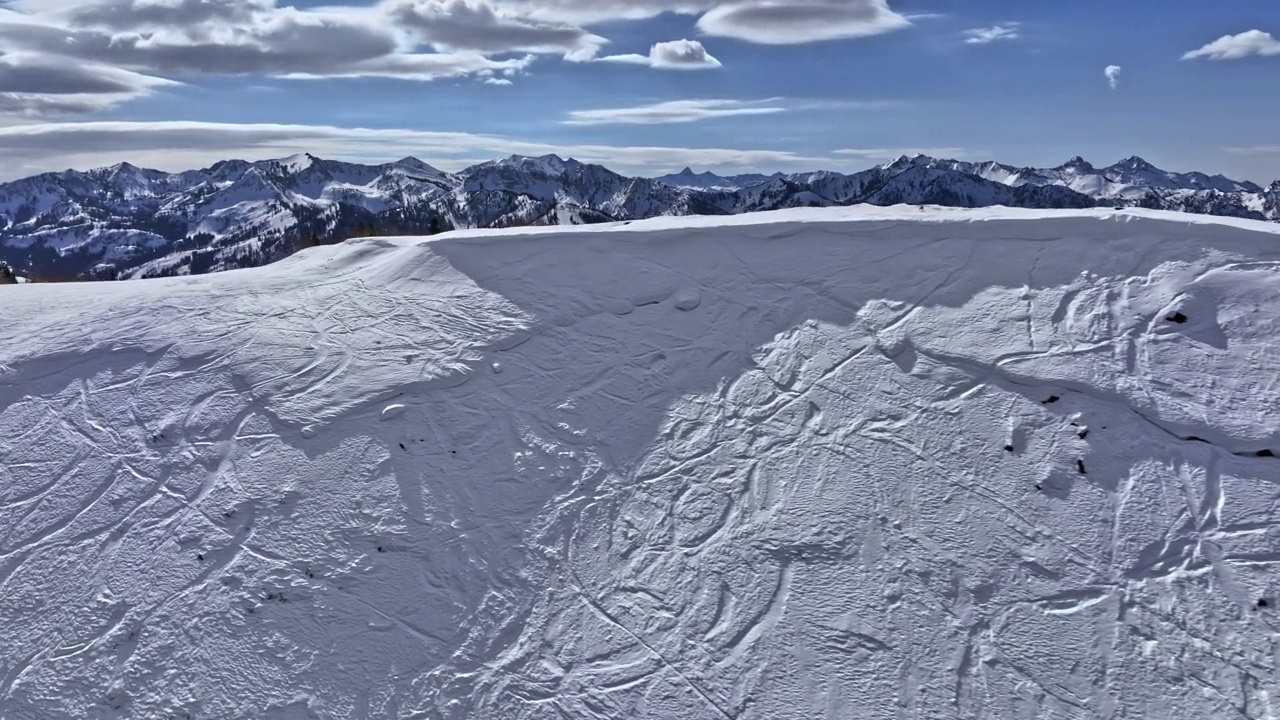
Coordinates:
[853,463]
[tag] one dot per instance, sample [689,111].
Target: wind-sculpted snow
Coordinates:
[872,463]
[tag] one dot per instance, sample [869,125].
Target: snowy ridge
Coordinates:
[1129,179]
[687,178]
[814,463]
[239,214]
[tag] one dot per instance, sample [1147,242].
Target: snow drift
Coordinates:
[865,462]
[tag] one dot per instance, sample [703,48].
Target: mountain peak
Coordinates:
[123,169]
[414,163]
[906,162]
[1076,163]
[550,164]
[705,180]
[235,199]
[1134,162]
[225,164]
[298,162]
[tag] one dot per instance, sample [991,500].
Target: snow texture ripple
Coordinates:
[853,463]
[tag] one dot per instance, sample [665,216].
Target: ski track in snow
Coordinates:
[870,462]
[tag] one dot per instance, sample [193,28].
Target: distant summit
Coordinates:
[414,163]
[687,178]
[126,221]
[1076,164]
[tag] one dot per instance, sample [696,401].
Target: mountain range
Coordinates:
[125,221]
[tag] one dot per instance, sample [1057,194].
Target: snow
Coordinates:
[814,463]
[297,162]
[218,208]
[687,178]
[418,167]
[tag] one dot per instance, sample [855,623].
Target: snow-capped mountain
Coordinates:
[687,178]
[126,221]
[550,190]
[1131,178]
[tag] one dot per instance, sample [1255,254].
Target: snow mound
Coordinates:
[865,462]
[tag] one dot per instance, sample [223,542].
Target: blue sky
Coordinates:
[732,85]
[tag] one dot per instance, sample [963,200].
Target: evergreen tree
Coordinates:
[6,275]
[309,240]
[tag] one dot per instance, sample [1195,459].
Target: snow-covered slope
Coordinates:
[863,462]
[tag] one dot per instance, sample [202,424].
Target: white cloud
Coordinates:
[129,48]
[673,55]
[895,153]
[30,149]
[117,50]
[129,15]
[987,35]
[476,25]
[1234,47]
[785,22]
[1254,150]
[675,111]
[1112,73]
[591,12]
[497,81]
[186,38]
[35,86]
[760,21]
[421,66]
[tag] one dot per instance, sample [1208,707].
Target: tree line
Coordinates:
[249,249]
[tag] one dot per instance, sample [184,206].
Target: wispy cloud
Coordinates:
[848,104]
[1112,73]
[872,154]
[132,47]
[800,21]
[1253,150]
[30,149]
[673,55]
[36,86]
[988,35]
[1234,47]
[674,111]
[121,49]
[453,25]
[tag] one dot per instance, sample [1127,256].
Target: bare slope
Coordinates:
[871,463]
